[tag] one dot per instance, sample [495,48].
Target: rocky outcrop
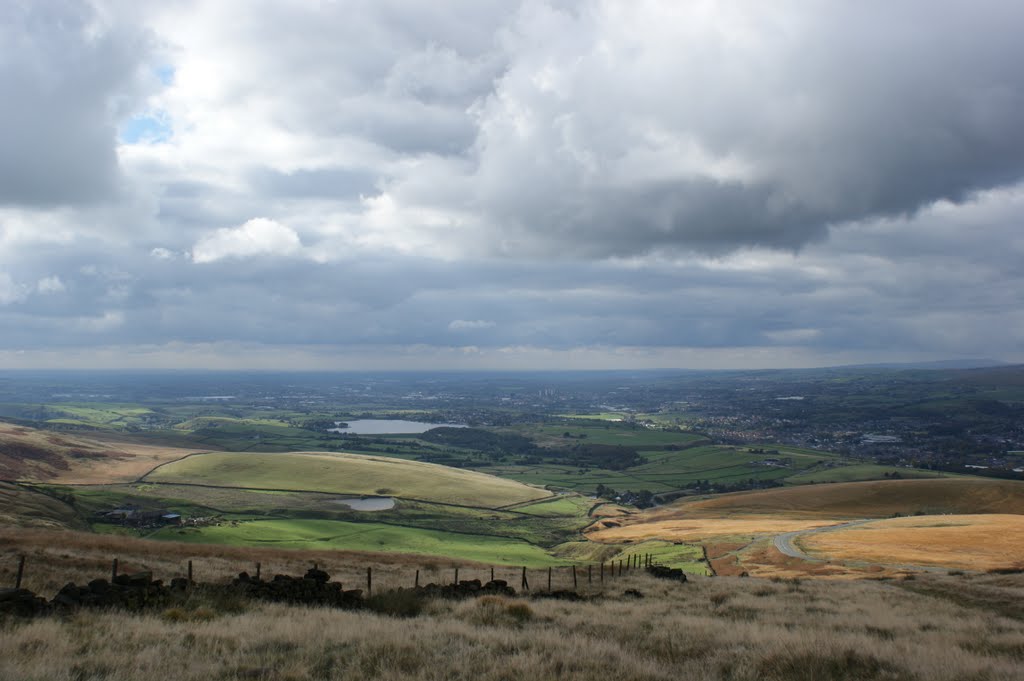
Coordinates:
[663,572]
[21,602]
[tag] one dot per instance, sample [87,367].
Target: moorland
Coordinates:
[794,479]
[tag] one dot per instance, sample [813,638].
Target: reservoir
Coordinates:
[390,427]
[368,503]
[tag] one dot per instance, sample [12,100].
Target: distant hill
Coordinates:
[874,499]
[938,364]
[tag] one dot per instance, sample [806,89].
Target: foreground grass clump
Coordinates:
[932,628]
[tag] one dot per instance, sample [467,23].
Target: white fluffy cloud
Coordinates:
[259,236]
[51,284]
[11,291]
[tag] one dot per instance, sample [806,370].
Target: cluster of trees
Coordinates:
[641,499]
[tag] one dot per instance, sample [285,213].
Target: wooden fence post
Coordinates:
[549,578]
[492,573]
[574,577]
[369,581]
[526,584]
[190,572]
[21,572]
[456,576]
[602,572]
[113,570]
[417,579]
[590,574]
[258,570]
[620,567]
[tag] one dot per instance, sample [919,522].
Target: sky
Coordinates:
[469,184]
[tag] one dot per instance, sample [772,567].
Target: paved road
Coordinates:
[784,542]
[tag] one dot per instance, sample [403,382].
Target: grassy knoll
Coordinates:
[347,474]
[365,536]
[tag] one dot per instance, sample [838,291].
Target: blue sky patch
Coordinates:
[145,129]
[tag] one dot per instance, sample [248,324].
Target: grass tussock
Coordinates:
[709,628]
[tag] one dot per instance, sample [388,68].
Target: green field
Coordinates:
[671,470]
[625,434]
[560,506]
[347,474]
[859,472]
[366,536]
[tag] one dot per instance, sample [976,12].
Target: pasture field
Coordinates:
[971,542]
[862,472]
[560,506]
[347,474]
[98,415]
[629,435]
[668,470]
[365,536]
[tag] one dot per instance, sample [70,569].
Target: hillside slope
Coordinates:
[23,507]
[874,499]
[42,455]
[347,474]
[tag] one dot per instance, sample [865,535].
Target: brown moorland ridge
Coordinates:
[873,499]
[30,454]
[739,528]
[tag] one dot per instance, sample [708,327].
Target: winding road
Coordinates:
[784,542]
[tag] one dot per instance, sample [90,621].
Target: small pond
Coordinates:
[390,427]
[367,503]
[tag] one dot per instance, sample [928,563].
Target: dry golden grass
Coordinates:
[701,528]
[972,542]
[39,455]
[875,499]
[713,629]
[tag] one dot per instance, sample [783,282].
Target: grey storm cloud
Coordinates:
[830,176]
[620,129]
[66,74]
